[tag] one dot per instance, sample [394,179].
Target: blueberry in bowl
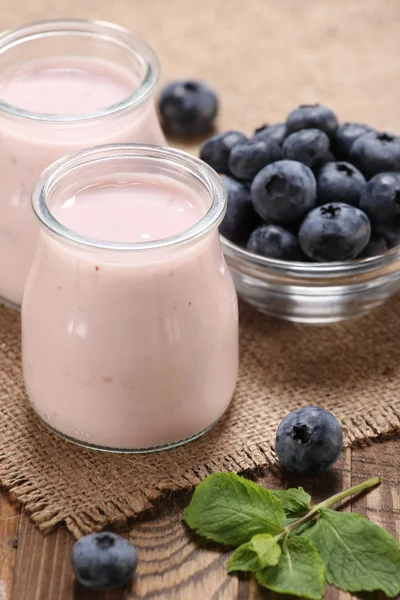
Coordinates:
[334,232]
[312,116]
[380,199]
[326,158]
[216,150]
[340,181]
[308,146]
[277,133]
[346,135]
[240,219]
[248,158]
[375,153]
[284,192]
[273,241]
[377,245]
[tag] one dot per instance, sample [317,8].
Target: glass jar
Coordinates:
[30,141]
[129,346]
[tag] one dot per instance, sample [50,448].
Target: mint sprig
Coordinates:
[291,546]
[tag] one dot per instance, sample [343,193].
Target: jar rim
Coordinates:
[207,177]
[85,27]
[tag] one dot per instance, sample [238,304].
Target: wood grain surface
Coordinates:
[172,565]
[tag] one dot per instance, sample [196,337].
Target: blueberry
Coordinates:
[346,135]
[248,158]
[307,146]
[325,159]
[381,198]
[276,133]
[217,149]
[377,245]
[240,218]
[375,153]
[308,441]
[390,233]
[284,192]
[103,561]
[274,241]
[188,107]
[334,232]
[312,116]
[340,182]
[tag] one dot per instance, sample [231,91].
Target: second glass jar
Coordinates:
[79,63]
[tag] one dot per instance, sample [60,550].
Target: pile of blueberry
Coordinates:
[310,189]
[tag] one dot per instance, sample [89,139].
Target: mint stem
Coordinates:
[355,489]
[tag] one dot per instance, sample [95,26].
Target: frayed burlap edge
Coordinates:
[371,427]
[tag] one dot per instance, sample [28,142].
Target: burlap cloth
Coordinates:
[264,57]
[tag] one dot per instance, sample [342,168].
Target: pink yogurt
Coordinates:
[131,348]
[54,105]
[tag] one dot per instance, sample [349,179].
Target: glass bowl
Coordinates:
[313,293]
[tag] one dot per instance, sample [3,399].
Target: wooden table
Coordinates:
[171,565]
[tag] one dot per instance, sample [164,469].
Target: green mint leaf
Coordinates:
[243,559]
[358,555]
[299,572]
[229,509]
[261,551]
[267,549]
[295,501]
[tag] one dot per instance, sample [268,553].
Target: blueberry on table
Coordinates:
[188,107]
[273,241]
[275,133]
[334,232]
[308,146]
[240,217]
[312,116]
[375,153]
[381,198]
[284,192]
[308,441]
[377,245]
[346,135]
[103,561]
[217,149]
[340,182]
[248,158]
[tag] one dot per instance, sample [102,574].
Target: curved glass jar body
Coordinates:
[129,347]
[29,141]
